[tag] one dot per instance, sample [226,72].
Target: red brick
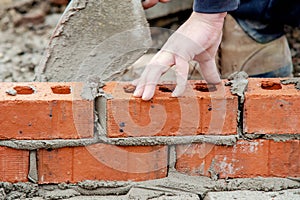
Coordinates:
[14,165]
[273,110]
[39,112]
[246,159]
[195,113]
[102,162]
[284,158]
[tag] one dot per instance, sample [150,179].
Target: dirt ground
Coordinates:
[26,26]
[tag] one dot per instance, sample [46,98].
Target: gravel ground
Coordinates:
[26,25]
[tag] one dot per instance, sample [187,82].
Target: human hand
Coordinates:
[198,38]
[150,3]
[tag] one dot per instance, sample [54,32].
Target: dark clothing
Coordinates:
[270,11]
[215,6]
[263,20]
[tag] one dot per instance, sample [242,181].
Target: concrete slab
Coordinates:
[174,186]
[114,197]
[143,194]
[160,193]
[292,194]
[89,198]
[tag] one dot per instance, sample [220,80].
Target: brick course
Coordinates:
[33,113]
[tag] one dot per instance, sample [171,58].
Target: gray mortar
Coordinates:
[8,187]
[60,194]
[100,107]
[172,158]
[91,185]
[229,140]
[92,88]
[33,171]
[175,183]
[213,174]
[18,190]
[28,188]
[295,81]
[47,144]
[274,137]
[238,82]
[104,191]
[15,195]
[140,141]
[2,194]
[174,140]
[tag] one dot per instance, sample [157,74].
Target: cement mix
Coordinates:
[175,186]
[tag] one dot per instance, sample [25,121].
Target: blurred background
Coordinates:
[26,26]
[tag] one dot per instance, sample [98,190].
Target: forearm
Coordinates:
[215,6]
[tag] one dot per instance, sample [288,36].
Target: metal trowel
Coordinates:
[95,41]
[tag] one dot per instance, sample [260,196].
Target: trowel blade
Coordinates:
[95,38]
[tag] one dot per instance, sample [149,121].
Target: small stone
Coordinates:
[15,195]
[2,193]
[11,92]
[63,186]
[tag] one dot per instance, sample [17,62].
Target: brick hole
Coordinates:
[61,89]
[166,87]
[24,90]
[129,88]
[270,85]
[204,87]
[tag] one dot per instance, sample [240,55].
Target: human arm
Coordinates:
[198,38]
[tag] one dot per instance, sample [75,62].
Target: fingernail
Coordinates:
[145,98]
[135,94]
[174,95]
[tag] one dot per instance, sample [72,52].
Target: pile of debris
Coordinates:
[25,27]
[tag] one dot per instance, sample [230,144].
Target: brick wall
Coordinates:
[49,134]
